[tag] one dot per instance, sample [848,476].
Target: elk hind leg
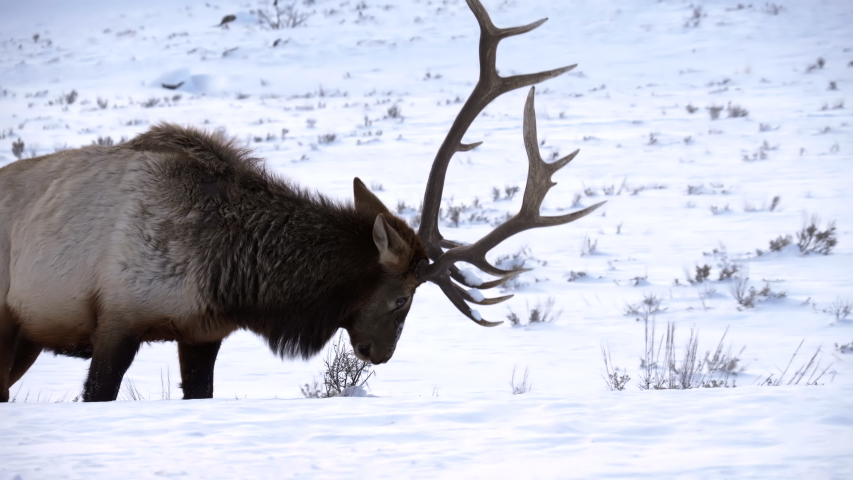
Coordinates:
[197,360]
[111,357]
[25,355]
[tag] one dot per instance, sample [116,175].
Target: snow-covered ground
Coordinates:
[683,190]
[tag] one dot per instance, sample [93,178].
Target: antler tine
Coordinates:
[526,80]
[508,32]
[480,299]
[451,291]
[464,147]
[484,265]
[457,275]
[445,243]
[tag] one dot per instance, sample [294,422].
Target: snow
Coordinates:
[679,187]
[745,434]
[476,294]
[471,277]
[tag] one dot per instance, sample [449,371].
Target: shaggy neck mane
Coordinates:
[290,265]
[292,270]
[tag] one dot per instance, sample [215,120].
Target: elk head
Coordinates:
[377,327]
[405,258]
[443,270]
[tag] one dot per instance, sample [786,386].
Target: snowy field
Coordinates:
[369,89]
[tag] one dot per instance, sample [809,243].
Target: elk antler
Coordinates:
[490,86]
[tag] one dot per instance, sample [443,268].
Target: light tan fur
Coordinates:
[71,270]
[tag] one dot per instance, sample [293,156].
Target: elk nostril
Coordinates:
[364,350]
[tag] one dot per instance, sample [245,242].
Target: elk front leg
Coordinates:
[8,342]
[26,354]
[111,357]
[197,360]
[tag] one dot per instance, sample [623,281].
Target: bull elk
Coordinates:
[180,235]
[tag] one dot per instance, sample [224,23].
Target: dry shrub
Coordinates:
[342,372]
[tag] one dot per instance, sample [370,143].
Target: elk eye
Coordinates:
[401,302]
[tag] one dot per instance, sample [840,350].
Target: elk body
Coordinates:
[179,235]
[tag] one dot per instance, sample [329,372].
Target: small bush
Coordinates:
[772,9]
[342,371]
[810,371]
[818,65]
[720,210]
[728,270]
[279,16]
[576,200]
[840,308]
[513,261]
[394,112]
[588,246]
[18,148]
[695,189]
[736,111]
[520,388]
[774,203]
[510,192]
[810,238]
[326,139]
[614,381]
[739,289]
[780,243]
[513,318]
[227,19]
[541,313]
[129,391]
[722,361]
[649,306]
[718,369]
[575,276]
[104,141]
[714,111]
[653,139]
[747,296]
[703,273]
[401,207]
[692,371]
[453,214]
[312,390]
[695,18]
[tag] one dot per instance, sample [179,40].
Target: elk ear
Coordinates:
[389,243]
[366,201]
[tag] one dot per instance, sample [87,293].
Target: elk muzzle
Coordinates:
[367,352]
